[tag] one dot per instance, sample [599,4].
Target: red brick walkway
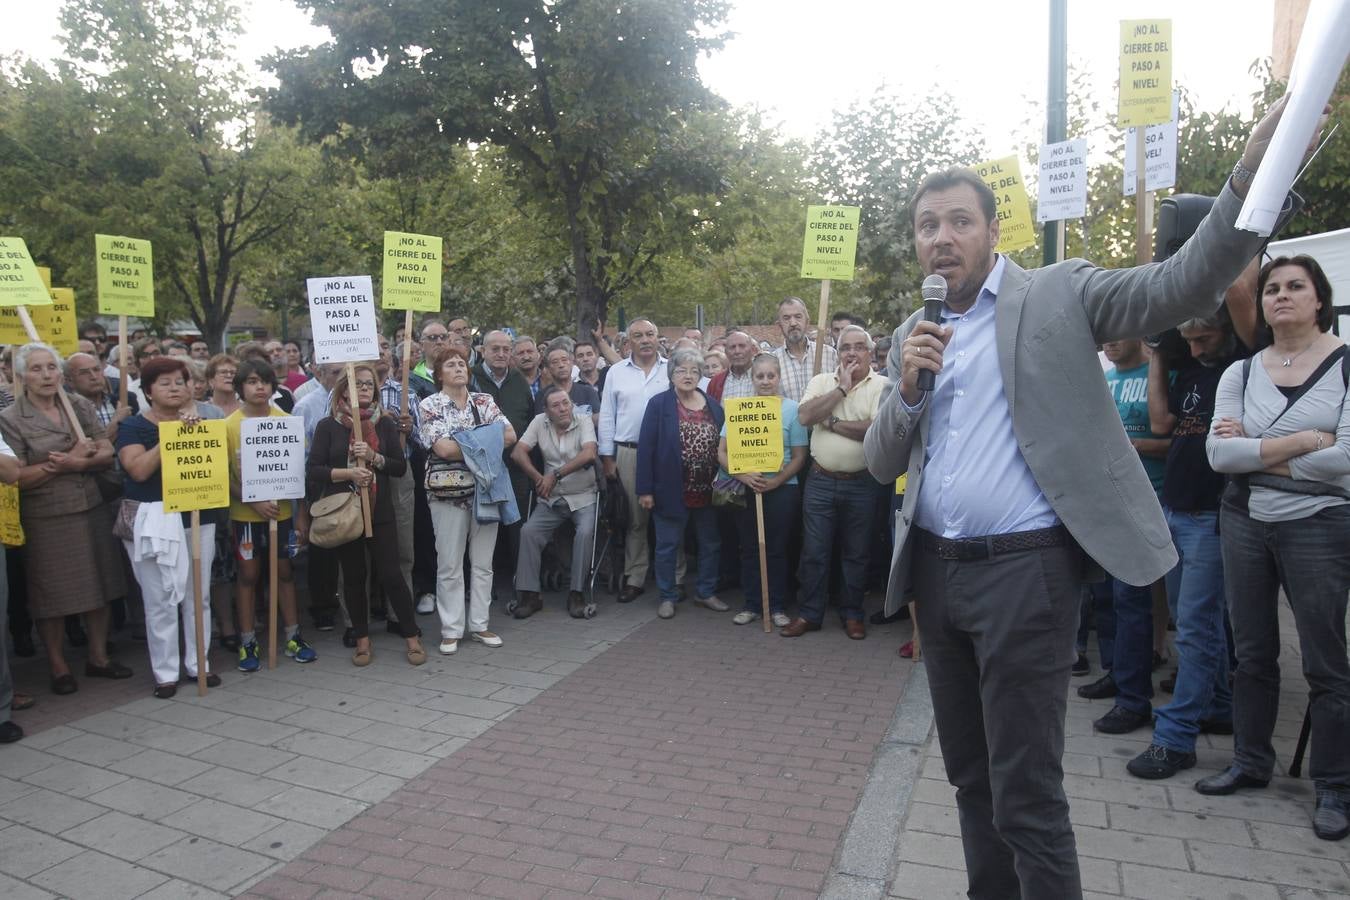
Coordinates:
[694,758]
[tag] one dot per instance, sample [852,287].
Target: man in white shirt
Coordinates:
[797,356]
[628,386]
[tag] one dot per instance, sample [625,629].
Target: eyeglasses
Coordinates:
[685,370]
[436,338]
[365,384]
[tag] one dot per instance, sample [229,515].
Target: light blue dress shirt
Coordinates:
[976,482]
[312,408]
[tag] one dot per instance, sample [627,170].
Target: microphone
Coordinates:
[934,292]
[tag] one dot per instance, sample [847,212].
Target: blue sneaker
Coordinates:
[298,649]
[248,657]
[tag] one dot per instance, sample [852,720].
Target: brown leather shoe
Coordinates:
[629,593]
[527,604]
[855,629]
[798,627]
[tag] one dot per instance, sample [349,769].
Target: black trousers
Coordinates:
[424,536]
[998,640]
[383,547]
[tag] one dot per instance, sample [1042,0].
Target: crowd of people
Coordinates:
[508,455]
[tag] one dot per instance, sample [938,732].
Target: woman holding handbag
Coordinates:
[1282,430]
[333,467]
[452,496]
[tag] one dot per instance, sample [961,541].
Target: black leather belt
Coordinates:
[818,469]
[631,445]
[967,549]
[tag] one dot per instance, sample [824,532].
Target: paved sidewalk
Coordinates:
[201,797]
[1156,840]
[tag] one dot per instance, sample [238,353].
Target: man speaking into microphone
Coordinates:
[1020,475]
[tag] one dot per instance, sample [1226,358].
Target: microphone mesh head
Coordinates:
[934,288]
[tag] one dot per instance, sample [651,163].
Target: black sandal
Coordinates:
[165,691]
[212,679]
[64,684]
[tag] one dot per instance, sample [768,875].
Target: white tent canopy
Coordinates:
[1331,249]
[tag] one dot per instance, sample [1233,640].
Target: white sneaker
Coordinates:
[714,603]
[666,610]
[426,604]
[744,617]
[449,645]
[486,638]
[781,620]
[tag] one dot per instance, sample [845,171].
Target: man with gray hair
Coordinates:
[797,356]
[840,496]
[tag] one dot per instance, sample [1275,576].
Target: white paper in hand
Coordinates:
[1321,55]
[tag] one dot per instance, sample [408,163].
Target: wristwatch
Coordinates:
[1241,174]
[831,422]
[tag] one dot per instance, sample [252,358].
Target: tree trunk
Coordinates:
[590,300]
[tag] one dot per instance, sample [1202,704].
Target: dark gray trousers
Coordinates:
[1309,558]
[998,640]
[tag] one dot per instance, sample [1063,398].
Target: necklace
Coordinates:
[1289,360]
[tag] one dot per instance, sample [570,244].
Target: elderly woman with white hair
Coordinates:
[676,465]
[70,557]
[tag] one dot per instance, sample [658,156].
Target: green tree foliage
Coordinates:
[591,100]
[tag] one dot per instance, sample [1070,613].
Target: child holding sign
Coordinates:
[255,382]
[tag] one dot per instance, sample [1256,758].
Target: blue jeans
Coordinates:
[1202,690]
[845,506]
[1132,664]
[670,534]
[780,506]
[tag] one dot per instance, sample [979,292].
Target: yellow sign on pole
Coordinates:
[1145,72]
[831,242]
[46,275]
[20,282]
[412,272]
[11,527]
[1004,177]
[126,276]
[62,329]
[11,326]
[195,465]
[754,434]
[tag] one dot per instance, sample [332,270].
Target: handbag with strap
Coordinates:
[336,519]
[448,479]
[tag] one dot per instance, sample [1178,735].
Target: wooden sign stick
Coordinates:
[121,360]
[355,403]
[61,395]
[271,593]
[407,359]
[1143,203]
[821,324]
[197,611]
[763,559]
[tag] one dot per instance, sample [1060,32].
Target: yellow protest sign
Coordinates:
[11,326]
[46,275]
[126,276]
[11,527]
[20,282]
[1004,177]
[1145,72]
[62,330]
[831,242]
[412,272]
[754,434]
[195,465]
[900,483]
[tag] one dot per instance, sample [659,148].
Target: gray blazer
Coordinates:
[1048,323]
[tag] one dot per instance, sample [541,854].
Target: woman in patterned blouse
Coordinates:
[453,409]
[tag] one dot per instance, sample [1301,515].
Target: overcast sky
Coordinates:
[798,60]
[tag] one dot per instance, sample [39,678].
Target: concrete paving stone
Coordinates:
[413,740]
[17,761]
[173,739]
[538,680]
[180,711]
[1080,764]
[49,811]
[24,852]
[1254,806]
[464,685]
[227,785]
[1270,866]
[322,746]
[523,662]
[48,737]
[1089,813]
[122,836]
[1196,826]
[11,789]
[286,841]
[459,726]
[913,881]
[306,771]
[208,863]
[312,807]
[516,694]
[96,876]
[399,763]
[1148,882]
[447,747]
[247,729]
[160,767]
[247,705]
[1164,852]
[325,698]
[1099,875]
[74,779]
[243,757]
[174,889]
[376,788]
[1301,894]
[259,684]
[116,724]
[470,706]
[932,818]
[390,692]
[930,849]
[562,668]
[338,724]
[143,799]
[1286,839]
[396,714]
[13,889]
[1133,791]
[221,821]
